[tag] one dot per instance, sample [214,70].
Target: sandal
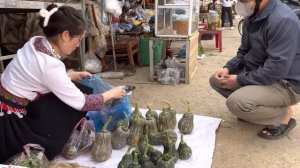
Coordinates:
[241,120]
[277,132]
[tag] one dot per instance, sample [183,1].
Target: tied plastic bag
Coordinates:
[82,138]
[117,108]
[169,76]
[92,64]
[173,62]
[113,6]
[33,157]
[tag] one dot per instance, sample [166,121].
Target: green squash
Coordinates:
[171,150]
[166,162]
[136,127]
[127,159]
[150,122]
[120,135]
[185,152]
[101,148]
[145,160]
[135,163]
[144,140]
[186,123]
[154,154]
[173,120]
[164,119]
[152,113]
[162,137]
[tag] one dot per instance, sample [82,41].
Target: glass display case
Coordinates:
[176,18]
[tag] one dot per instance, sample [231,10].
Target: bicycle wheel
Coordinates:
[240,26]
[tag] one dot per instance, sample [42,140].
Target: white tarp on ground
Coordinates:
[201,140]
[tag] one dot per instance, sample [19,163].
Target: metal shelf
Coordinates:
[173,6]
[21,4]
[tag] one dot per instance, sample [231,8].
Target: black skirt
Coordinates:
[48,122]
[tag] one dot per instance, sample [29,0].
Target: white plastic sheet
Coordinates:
[201,140]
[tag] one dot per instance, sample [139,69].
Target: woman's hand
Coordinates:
[78,76]
[115,93]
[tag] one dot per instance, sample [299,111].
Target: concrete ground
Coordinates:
[237,145]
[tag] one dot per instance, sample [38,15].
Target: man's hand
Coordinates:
[221,73]
[229,82]
[78,76]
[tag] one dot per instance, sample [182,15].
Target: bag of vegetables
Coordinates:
[33,157]
[82,138]
[115,108]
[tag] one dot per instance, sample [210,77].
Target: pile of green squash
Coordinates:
[141,133]
[156,129]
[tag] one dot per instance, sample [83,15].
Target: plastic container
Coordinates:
[213,20]
[182,27]
[157,51]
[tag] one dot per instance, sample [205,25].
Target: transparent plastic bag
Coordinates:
[117,108]
[81,139]
[113,6]
[92,64]
[33,157]
[169,76]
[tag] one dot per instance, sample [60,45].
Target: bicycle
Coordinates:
[240,26]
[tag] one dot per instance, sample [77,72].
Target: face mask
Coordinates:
[244,9]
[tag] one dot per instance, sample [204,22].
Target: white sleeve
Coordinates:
[56,79]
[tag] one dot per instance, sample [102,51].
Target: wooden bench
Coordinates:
[126,47]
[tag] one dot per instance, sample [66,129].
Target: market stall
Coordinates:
[175,21]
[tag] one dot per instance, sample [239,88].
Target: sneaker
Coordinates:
[231,28]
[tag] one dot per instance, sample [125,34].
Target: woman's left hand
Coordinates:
[78,76]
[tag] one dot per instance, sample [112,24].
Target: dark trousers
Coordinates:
[227,10]
[48,122]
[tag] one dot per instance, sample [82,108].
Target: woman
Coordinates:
[28,113]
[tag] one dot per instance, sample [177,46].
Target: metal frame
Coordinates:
[186,78]
[35,5]
[175,6]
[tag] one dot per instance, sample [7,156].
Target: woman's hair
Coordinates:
[64,19]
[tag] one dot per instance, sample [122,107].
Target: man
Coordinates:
[263,80]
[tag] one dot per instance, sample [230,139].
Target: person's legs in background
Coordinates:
[229,12]
[223,12]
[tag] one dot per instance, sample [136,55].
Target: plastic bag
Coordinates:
[113,6]
[82,138]
[172,62]
[92,64]
[169,76]
[118,108]
[33,157]
[141,13]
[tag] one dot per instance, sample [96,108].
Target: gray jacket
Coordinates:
[270,48]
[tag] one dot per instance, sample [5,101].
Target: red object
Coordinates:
[115,20]
[218,37]
[169,52]
[204,25]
